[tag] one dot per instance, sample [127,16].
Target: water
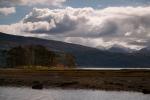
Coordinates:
[15,93]
[92,68]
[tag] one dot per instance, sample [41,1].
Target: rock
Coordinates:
[37,85]
[145,91]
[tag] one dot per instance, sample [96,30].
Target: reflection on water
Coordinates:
[13,93]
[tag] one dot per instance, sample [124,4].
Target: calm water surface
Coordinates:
[15,93]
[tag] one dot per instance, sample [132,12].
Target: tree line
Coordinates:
[38,55]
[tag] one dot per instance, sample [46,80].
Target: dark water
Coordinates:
[14,93]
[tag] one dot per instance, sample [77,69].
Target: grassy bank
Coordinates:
[126,80]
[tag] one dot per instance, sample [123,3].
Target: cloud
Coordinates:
[114,21]
[8,6]
[59,20]
[6,11]
[141,42]
[101,43]
[6,3]
[88,26]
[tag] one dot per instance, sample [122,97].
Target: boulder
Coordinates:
[37,85]
[146,91]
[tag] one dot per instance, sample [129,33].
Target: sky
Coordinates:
[94,23]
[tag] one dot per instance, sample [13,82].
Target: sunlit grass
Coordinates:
[43,68]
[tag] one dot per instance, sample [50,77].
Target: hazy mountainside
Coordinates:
[85,56]
[145,50]
[120,49]
[7,41]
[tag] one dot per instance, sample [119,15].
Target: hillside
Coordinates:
[8,41]
[85,56]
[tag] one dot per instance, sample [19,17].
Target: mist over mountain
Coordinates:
[120,49]
[85,56]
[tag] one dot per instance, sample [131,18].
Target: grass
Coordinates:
[128,80]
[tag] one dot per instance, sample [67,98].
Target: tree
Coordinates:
[37,55]
[33,55]
[16,57]
[70,60]
[41,56]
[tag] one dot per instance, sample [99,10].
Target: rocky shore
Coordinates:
[111,80]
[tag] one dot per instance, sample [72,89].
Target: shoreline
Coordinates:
[67,88]
[108,80]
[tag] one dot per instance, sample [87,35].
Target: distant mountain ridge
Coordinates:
[120,49]
[85,56]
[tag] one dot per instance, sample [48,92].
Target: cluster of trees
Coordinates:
[37,55]
[3,56]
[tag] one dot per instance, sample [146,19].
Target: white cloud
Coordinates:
[6,11]
[101,43]
[60,20]
[88,26]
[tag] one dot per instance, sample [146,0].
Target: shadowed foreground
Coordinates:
[126,80]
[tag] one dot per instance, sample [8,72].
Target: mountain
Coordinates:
[8,41]
[85,56]
[145,50]
[120,49]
